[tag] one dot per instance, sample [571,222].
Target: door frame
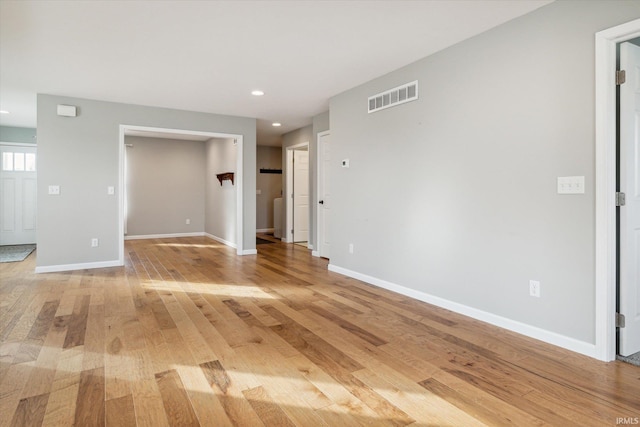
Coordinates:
[319,174]
[605,185]
[288,236]
[237,178]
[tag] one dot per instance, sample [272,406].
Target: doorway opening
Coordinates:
[628,204]
[323,208]
[18,193]
[606,174]
[180,134]
[298,215]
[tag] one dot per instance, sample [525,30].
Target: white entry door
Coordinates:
[630,212]
[18,192]
[301,196]
[324,193]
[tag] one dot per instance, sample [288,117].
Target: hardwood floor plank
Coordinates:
[120,411]
[478,404]
[216,375]
[270,413]
[348,326]
[78,322]
[176,402]
[148,404]
[403,395]
[94,338]
[239,411]
[30,411]
[90,404]
[64,390]
[206,405]
[286,384]
[188,333]
[314,347]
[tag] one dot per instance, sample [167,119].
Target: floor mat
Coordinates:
[15,253]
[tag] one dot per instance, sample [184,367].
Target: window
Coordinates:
[30,162]
[7,161]
[18,162]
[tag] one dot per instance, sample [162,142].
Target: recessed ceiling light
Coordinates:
[276,124]
[257,93]
[4,112]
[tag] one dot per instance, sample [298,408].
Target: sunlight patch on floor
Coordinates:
[210,288]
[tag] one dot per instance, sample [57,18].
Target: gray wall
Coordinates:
[220,210]
[17,134]
[166,180]
[269,184]
[454,195]
[81,155]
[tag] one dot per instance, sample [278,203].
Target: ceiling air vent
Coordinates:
[396,96]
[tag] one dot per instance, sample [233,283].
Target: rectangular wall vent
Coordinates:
[396,96]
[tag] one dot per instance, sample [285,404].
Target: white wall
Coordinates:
[166,181]
[220,204]
[454,196]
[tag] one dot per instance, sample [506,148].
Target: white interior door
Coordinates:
[18,191]
[630,212]
[324,194]
[301,196]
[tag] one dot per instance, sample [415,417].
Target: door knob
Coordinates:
[321,202]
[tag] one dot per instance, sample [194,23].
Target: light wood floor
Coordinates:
[187,333]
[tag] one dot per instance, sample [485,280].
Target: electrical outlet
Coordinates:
[350,248]
[187,221]
[94,243]
[534,288]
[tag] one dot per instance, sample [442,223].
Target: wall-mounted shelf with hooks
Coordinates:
[225,176]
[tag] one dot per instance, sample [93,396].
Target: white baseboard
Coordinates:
[82,266]
[530,331]
[221,240]
[164,236]
[315,253]
[265,230]
[250,252]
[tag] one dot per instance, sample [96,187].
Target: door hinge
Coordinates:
[620,199]
[619,320]
[621,77]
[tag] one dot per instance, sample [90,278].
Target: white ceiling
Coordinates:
[209,55]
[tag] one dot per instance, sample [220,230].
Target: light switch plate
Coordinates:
[54,190]
[111,190]
[571,185]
